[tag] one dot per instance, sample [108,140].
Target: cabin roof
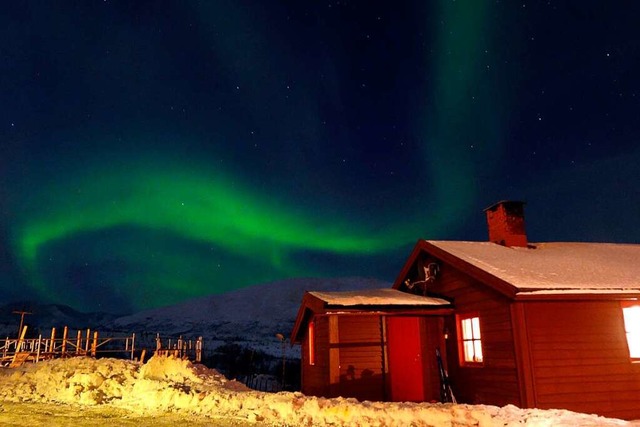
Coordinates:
[368,301]
[376,297]
[600,267]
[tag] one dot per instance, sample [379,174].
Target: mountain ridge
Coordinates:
[250,316]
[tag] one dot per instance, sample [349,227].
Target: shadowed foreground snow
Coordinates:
[166,387]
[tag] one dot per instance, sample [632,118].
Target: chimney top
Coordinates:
[505,220]
[495,206]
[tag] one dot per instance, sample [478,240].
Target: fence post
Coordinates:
[94,345]
[133,344]
[65,331]
[18,345]
[158,342]
[78,342]
[199,350]
[86,344]
[39,344]
[52,344]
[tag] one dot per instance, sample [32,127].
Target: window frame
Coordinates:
[635,358]
[460,318]
[311,341]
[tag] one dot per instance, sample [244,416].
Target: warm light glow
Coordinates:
[632,328]
[312,343]
[471,343]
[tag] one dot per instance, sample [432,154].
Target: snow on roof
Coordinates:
[377,297]
[554,266]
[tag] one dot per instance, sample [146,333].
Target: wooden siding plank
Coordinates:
[606,362]
[593,398]
[592,371]
[595,386]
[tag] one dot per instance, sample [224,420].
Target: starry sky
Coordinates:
[154,151]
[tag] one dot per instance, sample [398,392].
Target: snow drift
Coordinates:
[172,385]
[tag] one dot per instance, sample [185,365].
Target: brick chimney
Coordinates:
[506,223]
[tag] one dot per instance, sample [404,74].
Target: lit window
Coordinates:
[631,314]
[470,340]
[312,343]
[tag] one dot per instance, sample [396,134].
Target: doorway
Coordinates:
[413,373]
[404,352]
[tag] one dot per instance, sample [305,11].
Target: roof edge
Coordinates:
[503,287]
[578,295]
[309,303]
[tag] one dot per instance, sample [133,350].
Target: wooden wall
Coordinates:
[349,363]
[496,382]
[315,378]
[580,360]
[432,338]
[361,360]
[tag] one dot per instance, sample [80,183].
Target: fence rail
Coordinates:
[262,382]
[16,351]
[181,348]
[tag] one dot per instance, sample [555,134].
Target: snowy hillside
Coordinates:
[251,316]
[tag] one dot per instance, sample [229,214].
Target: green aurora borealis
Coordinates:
[155,233]
[174,220]
[153,153]
[207,209]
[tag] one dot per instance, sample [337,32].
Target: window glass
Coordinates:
[470,340]
[631,314]
[468,351]
[475,324]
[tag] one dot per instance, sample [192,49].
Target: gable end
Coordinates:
[422,246]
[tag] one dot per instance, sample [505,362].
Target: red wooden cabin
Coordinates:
[352,341]
[546,325]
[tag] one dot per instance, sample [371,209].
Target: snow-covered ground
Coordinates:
[86,391]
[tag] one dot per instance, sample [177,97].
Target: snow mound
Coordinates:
[169,369]
[168,384]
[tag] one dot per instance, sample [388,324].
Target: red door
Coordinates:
[404,352]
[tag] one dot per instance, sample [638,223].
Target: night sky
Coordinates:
[153,151]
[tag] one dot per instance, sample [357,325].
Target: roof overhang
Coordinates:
[578,295]
[380,302]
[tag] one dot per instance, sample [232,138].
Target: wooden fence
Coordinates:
[262,382]
[181,348]
[15,352]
